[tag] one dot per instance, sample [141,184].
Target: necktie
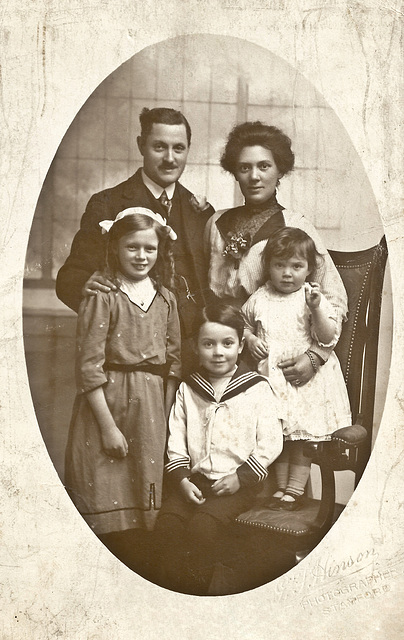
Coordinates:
[166,203]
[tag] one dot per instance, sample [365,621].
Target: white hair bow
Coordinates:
[107,224]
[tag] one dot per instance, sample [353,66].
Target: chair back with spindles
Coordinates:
[362,273]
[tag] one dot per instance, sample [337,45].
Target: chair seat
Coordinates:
[295,523]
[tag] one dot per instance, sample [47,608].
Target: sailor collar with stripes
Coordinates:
[241,380]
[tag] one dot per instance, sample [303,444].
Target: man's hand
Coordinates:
[257,347]
[191,492]
[298,370]
[97,282]
[226,486]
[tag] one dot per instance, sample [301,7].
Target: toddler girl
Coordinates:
[282,318]
[224,433]
[127,350]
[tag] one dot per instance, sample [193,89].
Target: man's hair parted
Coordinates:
[162,115]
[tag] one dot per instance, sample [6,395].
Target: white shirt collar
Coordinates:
[156,189]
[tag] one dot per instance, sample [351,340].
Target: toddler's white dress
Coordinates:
[316,409]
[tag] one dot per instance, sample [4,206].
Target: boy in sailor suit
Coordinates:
[224,434]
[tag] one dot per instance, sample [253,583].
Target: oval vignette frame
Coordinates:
[99,150]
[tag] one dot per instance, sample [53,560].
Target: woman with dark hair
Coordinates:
[259,155]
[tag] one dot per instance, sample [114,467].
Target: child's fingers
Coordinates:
[197,496]
[116,453]
[216,486]
[260,350]
[312,289]
[121,452]
[118,449]
[219,487]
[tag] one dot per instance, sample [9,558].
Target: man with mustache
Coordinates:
[164,143]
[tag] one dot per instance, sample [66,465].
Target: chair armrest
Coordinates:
[350,436]
[341,451]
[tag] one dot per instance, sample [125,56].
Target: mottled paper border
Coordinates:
[57,579]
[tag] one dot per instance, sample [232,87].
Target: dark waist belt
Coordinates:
[156,369]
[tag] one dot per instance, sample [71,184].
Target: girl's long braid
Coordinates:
[164,269]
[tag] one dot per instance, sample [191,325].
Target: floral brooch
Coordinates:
[237,245]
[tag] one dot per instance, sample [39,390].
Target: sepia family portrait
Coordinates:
[207,331]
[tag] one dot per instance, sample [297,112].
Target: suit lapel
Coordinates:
[136,192]
[190,223]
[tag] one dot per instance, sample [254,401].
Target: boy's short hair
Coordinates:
[222,313]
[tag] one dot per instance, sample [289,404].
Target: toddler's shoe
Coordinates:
[291,505]
[274,503]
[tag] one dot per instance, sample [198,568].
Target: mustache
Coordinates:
[168,165]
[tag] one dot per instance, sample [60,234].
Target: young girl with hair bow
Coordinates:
[127,369]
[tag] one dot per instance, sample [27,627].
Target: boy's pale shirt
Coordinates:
[216,438]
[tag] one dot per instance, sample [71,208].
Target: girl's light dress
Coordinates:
[316,409]
[114,494]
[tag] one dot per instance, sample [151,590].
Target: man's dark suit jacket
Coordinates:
[88,248]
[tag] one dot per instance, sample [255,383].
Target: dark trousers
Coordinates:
[192,539]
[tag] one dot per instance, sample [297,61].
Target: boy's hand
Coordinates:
[313,294]
[97,282]
[257,347]
[226,486]
[114,443]
[191,492]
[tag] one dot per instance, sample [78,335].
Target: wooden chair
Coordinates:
[362,273]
